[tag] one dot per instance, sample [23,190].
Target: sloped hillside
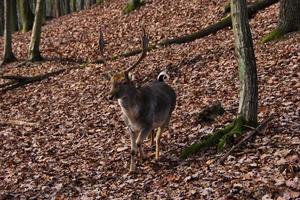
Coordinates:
[80,148]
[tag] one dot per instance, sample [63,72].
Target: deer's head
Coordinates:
[121,82]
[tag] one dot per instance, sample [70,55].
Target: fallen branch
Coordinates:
[18,81]
[17,122]
[261,127]
[225,22]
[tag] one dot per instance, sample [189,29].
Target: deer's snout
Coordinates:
[113,94]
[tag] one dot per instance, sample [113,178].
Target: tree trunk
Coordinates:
[34,51]
[289,19]
[246,59]
[91,2]
[67,7]
[81,4]
[74,5]
[26,15]
[1,18]
[14,17]
[289,15]
[57,8]
[8,55]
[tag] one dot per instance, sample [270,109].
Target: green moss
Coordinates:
[132,5]
[115,57]
[209,140]
[274,35]
[235,132]
[221,138]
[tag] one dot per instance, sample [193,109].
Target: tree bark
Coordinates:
[26,15]
[247,66]
[1,18]
[67,7]
[34,51]
[289,20]
[81,4]
[14,17]
[8,55]
[74,5]
[57,8]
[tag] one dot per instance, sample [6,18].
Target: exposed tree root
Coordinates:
[225,137]
[263,125]
[220,138]
[274,35]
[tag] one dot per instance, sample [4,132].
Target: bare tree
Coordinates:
[14,16]
[26,15]
[57,8]
[74,5]
[1,18]
[67,6]
[34,51]
[246,59]
[8,55]
[81,4]
[289,19]
[247,113]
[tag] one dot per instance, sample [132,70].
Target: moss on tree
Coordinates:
[220,139]
[274,35]
[132,5]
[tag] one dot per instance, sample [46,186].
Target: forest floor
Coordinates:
[80,147]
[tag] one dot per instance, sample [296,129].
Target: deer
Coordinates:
[144,108]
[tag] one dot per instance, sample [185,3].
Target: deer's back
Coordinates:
[161,100]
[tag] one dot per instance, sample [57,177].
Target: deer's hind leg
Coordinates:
[158,137]
[133,136]
[142,136]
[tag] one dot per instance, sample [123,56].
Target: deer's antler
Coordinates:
[145,42]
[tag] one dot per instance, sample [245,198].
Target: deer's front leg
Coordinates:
[142,136]
[133,152]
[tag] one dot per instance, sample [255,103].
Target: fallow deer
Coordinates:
[144,108]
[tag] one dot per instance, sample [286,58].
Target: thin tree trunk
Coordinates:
[34,51]
[81,4]
[74,5]
[1,18]
[14,18]
[26,15]
[8,55]
[67,7]
[246,59]
[57,8]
